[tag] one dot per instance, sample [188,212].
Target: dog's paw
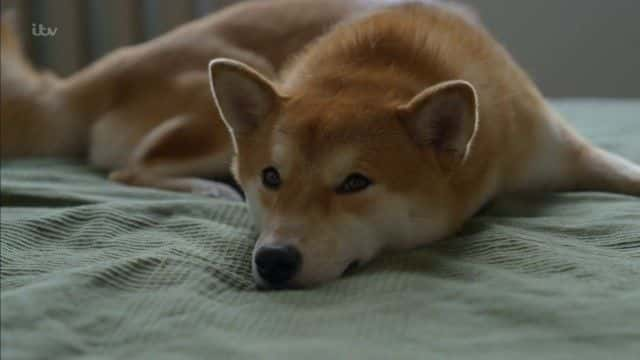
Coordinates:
[217,190]
[124,176]
[202,187]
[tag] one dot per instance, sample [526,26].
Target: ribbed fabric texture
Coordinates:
[95,270]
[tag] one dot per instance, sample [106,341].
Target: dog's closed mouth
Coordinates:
[351,268]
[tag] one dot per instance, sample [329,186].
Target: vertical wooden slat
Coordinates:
[7,4]
[126,13]
[205,7]
[24,24]
[113,24]
[66,51]
[164,15]
[22,20]
[87,29]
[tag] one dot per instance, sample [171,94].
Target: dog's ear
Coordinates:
[244,97]
[443,117]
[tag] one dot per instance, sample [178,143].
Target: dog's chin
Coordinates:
[262,285]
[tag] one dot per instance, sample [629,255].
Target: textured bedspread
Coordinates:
[94,270]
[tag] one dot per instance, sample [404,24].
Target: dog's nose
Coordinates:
[277,264]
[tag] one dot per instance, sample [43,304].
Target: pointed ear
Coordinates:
[443,117]
[244,97]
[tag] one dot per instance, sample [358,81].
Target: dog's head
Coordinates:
[333,179]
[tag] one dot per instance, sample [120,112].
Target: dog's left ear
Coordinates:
[443,117]
[244,97]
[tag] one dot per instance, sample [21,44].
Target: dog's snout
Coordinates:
[277,265]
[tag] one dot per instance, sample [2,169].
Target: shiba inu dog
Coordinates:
[388,133]
[145,112]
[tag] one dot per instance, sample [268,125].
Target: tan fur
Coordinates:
[146,109]
[367,89]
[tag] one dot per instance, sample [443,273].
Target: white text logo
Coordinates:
[41,30]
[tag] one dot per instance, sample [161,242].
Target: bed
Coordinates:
[95,270]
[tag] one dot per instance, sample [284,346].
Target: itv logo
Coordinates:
[41,30]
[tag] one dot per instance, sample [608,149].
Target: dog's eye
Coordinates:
[271,178]
[353,183]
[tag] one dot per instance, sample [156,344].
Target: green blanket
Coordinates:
[96,270]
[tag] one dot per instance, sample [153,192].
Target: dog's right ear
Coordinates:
[244,97]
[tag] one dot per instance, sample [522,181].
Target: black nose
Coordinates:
[277,264]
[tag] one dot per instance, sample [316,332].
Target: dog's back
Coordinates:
[148,105]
